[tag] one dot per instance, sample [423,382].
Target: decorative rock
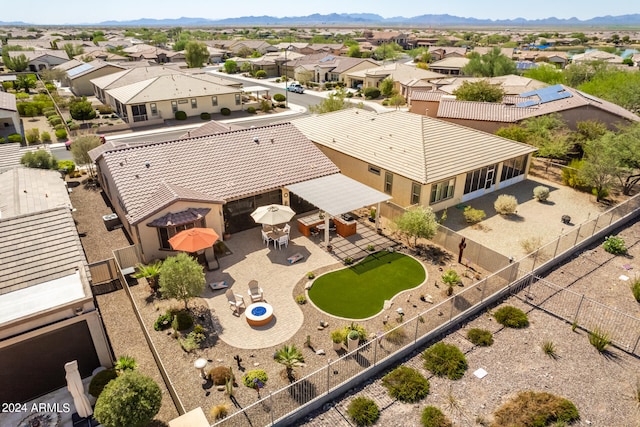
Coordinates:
[320,352]
[219,360]
[308,286]
[256,364]
[220,388]
[320,328]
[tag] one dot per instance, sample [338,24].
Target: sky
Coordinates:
[47,12]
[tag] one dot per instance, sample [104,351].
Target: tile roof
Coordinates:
[399,72]
[27,190]
[483,111]
[212,168]
[210,128]
[420,148]
[8,101]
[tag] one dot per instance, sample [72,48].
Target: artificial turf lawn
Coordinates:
[359,291]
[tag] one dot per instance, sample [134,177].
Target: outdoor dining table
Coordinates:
[275,234]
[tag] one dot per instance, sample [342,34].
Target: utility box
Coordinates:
[111,221]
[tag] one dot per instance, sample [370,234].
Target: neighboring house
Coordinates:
[102,55]
[146,95]
[47,312]
[311,48]
[212,181]
[511,84]
[379,38]
[401,74]
[9,118]
[572,105]
[509,52]
[596,55]
[332,68]
[79,74]
[239,46]
[42,59]
[145,52]
[449,66]
[559,59]
[43,43]
[440,52]
[416,159]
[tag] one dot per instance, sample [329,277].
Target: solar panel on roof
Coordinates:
[527,104]
[547,94]
[327,58]
[79,69]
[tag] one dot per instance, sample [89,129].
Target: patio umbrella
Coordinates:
[76,388]
[193,239]
[272,214]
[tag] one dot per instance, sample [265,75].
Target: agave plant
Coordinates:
[125,363]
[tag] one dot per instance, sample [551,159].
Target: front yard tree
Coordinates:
[39,159]
[335,101]
[230,66]
[72,50]
[387,87]
[417,223]
[181,278]
[80,150]
[81,109]
[25,82]
[600,164]
[480,91]
[130,400]
[491,64]
[17,63]
[196,54]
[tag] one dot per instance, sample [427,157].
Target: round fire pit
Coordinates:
[259,314]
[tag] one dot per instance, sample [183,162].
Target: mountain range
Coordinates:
[369,19]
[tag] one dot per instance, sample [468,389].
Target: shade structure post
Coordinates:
[326,231]
[378,216]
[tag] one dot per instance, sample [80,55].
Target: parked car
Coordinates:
[67,143]
[295,87]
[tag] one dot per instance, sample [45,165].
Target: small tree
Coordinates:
[387,87]
[419,222]
[230,66]
[130,400]
[17,63]
[290,357]
[80,150]
[334,102]
[182,278]
[480,91]
[196,54]
[39,159]
[506,204]
[81,109]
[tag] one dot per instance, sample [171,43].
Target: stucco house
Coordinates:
[572,105]
[148,95]
[9,118]
[78,74]
[403,76]
[47,312]
[214,181]
[451,66]
[416,159]
[39,60]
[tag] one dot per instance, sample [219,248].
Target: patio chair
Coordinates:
[255,292]
[284,240]
[235,301]
[212,259]
[287,229]
[265,238]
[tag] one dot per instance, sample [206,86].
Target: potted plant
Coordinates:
[353,339]
[337,337]
[372,215]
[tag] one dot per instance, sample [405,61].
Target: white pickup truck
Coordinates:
[295,87]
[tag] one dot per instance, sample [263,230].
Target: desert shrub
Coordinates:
[363,411]
[100,380]
[530,244]
[54,119]
[358,329]
[451,277]
[506,204]
[406,384]
[220,411]
[571,175]
[45,136]
[180,115]
[61,133]
[14,137]
[104,109]
[189,343]
[549,348]
[181,321]
[480,337]
[511,317]
[74,126]
[125,363]
[2,140]
[599,339]
[50,87]
[220,375]
[614,245]
[205,116]
[278,97]
[445,360]
[541,193]
[163,321]
[251,377]
[265,106]
[371,92]
[33,135]
[533,409]
[301,299]
[225,111]
[635,289]
[60,126]
[473,216]
[22,95]
[132,399]
[394,333]
[48,112]
[251,110]
[261,74]
[433,417]
[39,159]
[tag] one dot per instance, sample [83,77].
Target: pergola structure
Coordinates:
[338,194]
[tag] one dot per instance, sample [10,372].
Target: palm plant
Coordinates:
[149,272]
[125,363]
[290,357]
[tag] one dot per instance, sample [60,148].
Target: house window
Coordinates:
[388,182]
[374,170]
[194,103]
[214,101]
[513,167]
[174,106]
[165,233]
[238,99]
[415,193]
[442,191]
[480,178]
[154,108]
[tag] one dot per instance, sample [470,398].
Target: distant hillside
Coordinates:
[369,19]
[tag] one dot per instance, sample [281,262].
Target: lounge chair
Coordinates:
[235,301]
[255,292]
[212,259]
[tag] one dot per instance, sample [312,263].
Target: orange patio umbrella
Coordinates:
[193,239]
